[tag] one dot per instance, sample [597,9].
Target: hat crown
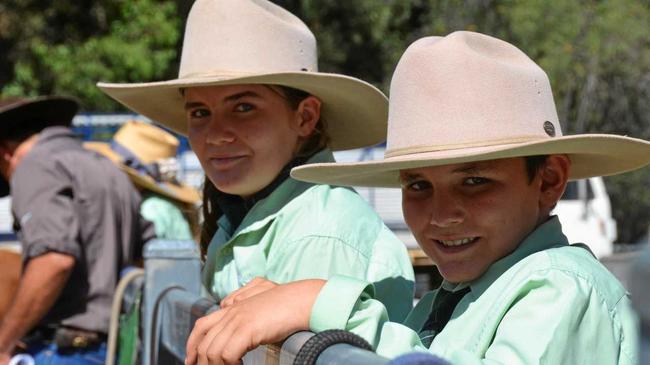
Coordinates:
[510,98]
[147,142]
[230,37]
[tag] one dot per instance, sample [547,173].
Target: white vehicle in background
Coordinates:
[586,215]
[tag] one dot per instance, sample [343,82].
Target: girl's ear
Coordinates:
[307,115]
[554,176]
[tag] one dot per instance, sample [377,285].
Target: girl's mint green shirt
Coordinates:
[545,303]
[306,231]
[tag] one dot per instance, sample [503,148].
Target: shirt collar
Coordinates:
[272,198]
[547,235]
[55,132]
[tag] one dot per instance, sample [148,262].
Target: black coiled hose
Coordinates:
[310,351]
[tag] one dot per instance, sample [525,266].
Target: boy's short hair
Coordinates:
[533,165]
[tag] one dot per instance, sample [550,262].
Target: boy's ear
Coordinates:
[554,176]
[308,115]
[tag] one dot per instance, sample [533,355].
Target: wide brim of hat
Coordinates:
[181,193]
[590,154]
[38,113]
[356,112]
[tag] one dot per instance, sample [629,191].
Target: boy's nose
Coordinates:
[446,211]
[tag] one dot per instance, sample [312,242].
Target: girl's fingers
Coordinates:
[201,327]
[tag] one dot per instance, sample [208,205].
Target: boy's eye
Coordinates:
[243,107]
[416,186]
[475,180]
[199,113]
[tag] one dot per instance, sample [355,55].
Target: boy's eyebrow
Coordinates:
[408,177]
[192,104]
[474,168]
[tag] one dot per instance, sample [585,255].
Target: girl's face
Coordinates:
[244,135]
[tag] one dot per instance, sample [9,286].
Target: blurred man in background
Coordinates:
[77,218]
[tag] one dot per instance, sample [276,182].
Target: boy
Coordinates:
[475,142]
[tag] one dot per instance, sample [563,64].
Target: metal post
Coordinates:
[168,265]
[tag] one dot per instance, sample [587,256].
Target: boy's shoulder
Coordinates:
[569,263]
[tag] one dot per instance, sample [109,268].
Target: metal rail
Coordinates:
[173,302]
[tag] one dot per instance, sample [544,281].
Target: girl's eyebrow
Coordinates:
[240,95]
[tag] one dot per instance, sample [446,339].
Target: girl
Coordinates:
[253,105]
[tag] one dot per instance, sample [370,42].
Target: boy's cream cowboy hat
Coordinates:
[21,114]
[470,97]
[143,151]
[256,42]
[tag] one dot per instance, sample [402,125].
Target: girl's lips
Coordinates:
[221,163]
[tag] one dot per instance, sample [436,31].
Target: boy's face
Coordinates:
[467,216]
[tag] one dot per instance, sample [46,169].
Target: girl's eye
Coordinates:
[474,180]
[243,107]
[199,113]
[416,186]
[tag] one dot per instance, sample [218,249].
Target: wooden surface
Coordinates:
[10,266]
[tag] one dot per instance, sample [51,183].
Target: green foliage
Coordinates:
[137,44]
[596,53]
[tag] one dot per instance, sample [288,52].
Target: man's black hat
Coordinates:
[18,116]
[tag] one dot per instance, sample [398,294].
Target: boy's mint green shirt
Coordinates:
[167,218]
[545,303]
[305,231]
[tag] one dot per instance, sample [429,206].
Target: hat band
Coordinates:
[129,159]
[397,152]
[221,74]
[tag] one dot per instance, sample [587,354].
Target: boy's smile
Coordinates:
[467,216]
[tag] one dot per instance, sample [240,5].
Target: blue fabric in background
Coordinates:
[49,354]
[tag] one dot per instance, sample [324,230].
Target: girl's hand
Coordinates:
[256,286]
[224,336]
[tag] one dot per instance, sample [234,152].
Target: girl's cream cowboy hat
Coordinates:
[257,42]
[142,151]
[470,97]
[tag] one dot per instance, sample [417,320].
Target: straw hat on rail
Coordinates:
[147,154]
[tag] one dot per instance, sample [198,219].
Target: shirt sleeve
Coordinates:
[391,272]
[321,257]
[347,303]
[43,203]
